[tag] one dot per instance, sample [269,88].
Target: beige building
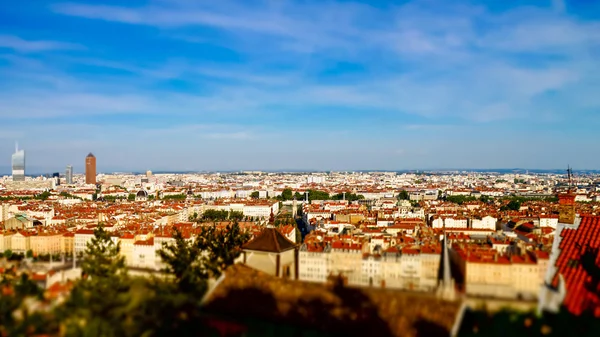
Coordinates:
[127,240]
[21,221]
[352,218]
[6,238]
[410,269]
[46,243]
[20,242]
[314,263]
[495,275]
[347,260]
[4,212]
[30,185]
[67,242]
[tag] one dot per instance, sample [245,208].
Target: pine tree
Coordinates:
[192,263]
[185,263]
[221,247]
[98,303]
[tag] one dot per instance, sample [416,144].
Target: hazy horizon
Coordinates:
[5,170]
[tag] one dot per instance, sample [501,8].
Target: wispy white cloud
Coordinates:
[446,64]
[31,46]
[477,93]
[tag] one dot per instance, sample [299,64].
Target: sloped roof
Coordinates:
[582,279]
[270,240]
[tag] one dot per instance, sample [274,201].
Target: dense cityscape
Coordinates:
[307,168]
[459,240]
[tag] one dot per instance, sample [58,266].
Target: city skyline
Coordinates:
[37,170]
[235,85]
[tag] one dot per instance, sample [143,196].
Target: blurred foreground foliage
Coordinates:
[528,324]
[107,301]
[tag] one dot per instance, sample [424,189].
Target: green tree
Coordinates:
[403,195]
[174,308]
[8,254]
[193,262]
[254,195]
[193,217]
[286,194]
[514,205]
[349,196]
[43,196]
[460,199]
[185,262]
[215,215]
[317,195]
[29,254]
[175,197]
[98,302]
[236,215]
[221,247]
[485,199]
[314,195]
[131,197]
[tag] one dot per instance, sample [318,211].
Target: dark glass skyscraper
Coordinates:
[18,165]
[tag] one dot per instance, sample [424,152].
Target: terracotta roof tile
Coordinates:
[582,293]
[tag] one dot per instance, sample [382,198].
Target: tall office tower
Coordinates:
[90,169]
[69,174]
[18,164]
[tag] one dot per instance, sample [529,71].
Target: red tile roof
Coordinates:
[582,293]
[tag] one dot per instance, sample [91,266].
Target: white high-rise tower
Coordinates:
[18,164]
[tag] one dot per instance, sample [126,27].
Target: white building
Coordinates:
[548,221]
[144,254]
[487,222]
[81,239]
[314,263]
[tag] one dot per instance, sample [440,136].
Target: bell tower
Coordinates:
[566,203]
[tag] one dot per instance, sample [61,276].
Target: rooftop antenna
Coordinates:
[16,146]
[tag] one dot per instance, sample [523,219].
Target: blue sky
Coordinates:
[205,85]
